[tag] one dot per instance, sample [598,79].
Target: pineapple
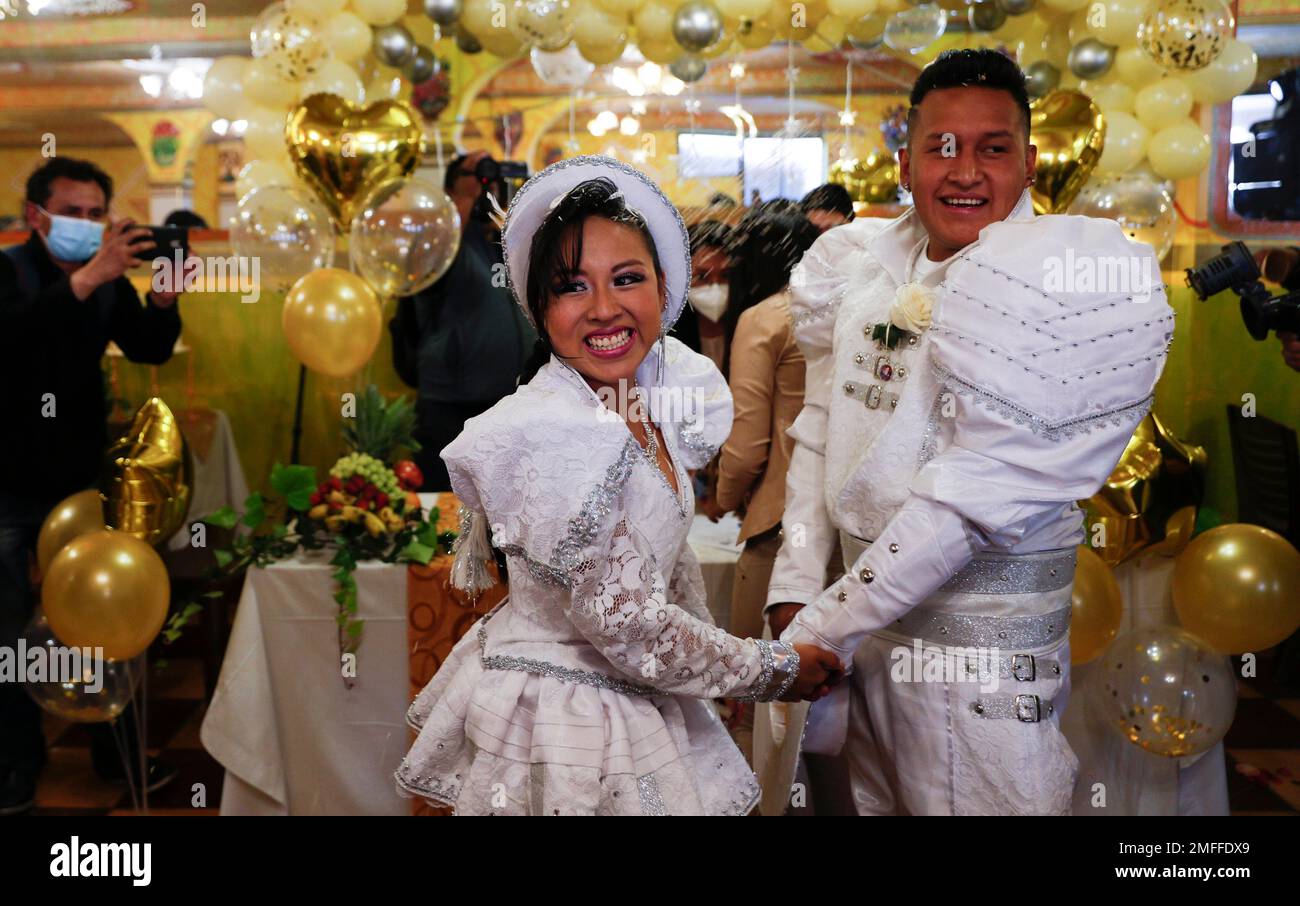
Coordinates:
[381,428]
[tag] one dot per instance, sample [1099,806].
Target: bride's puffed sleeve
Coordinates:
[695,400]
[1046,376]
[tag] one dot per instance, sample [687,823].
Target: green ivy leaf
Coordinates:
[225,518]
[418,553]
[223,557]
[254,510]
[295,484]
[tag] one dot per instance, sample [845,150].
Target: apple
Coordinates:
[409,476]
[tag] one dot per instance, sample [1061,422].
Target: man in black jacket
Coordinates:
[63,296]
[473,340]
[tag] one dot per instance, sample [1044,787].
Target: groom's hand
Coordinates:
[780,617]
[818,670]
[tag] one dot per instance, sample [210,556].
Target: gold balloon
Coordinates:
[343,151]
[870,180]
[108,590]
[1148,504]
[75,516]
[1069,132]
[147,475]
[1237,587]
[1096,608]
[331,320]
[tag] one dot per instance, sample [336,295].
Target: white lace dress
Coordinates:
[586,691]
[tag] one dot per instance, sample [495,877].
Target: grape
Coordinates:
[370,469]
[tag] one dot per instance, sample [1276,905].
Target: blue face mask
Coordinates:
[72,238]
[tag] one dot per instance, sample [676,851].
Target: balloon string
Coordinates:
[118,733]
[142,730]
[1199,224]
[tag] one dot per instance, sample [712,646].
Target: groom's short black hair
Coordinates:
[971,69]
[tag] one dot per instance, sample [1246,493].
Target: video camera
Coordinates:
[1235,269]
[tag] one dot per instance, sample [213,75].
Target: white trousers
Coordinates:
[916,746]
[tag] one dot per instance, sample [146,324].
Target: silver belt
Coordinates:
[1023,668]
[995,573]
[1028,709]
[971,631]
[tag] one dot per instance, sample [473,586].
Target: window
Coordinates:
[772,166]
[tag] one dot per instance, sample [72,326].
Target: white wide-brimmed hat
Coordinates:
[539,196]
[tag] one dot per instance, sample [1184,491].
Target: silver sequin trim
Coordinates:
[967,630]
[652,802]
[567,555]
[1053,431]
[930,437]
[809,315]
[787,670]
[555,671]
[670,317]
[540,571]
[767,664]
[991,574]
[427,787]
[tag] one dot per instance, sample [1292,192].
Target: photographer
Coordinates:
[462,342]
[63,296]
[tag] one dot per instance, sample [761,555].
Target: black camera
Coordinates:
[499,179]
[1235,269]
[489,171]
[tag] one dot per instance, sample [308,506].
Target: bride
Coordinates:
[586,691]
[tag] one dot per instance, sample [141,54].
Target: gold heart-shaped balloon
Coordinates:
[1148,504]
[343,151]
[147,476]
[1069,132]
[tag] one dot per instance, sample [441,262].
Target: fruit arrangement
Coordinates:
[361,490]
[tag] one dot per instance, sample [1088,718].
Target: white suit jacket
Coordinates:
[1047,337]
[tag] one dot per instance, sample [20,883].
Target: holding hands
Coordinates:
[819,670]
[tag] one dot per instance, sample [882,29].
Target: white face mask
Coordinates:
[710,301]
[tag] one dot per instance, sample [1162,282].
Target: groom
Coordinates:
[958,403]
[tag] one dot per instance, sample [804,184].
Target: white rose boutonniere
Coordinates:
[912,308]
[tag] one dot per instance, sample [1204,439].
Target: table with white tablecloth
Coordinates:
[293,738]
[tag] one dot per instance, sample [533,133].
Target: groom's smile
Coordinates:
[967,161]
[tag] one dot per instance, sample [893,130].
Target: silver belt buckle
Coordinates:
[1028,708]
[1022,668]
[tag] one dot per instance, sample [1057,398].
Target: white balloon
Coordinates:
[1231,73]
[347,37]
[567,67]
[222,88]
[379,12]
[259,173]
[1163,103]
[265,86]
[264,134]
[335,77]
[1125,144]
[316,9]
[1179,151]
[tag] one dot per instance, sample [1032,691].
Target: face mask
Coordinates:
[710,301]
[72,238]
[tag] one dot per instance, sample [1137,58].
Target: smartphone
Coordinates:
[168,240]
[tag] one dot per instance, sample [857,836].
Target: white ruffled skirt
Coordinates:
[509,742]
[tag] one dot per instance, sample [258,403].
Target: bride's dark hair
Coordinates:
[556,251]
